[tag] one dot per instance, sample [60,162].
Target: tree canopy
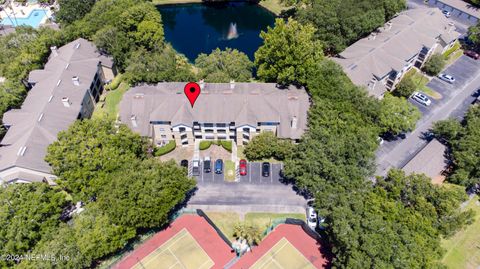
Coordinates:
[464,141]
[340,23]
[72,10]
[266,145]
[288,52]
[223,66]
[397,114]
[90,149]
[434,64]
[27,213]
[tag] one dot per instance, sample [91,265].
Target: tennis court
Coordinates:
[180,251]
[283,255]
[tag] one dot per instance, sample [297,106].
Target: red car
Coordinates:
[243,167]
[471,53]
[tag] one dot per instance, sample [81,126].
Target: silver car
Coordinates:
[447,78]
[311,218]
[422,99]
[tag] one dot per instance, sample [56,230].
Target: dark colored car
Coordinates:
[472,54]
[184,163]
[218,166]
[266,169]
[207,165]
[243,167]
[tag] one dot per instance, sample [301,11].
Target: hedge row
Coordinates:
[227,145]
[159,151]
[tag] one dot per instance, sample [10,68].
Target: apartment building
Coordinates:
[66,89]
[223,111]
[380,60]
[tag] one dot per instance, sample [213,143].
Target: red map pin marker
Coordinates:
[192,91]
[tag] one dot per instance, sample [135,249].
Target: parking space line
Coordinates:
[249,172]
[271,172]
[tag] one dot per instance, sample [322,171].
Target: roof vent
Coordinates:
[50,99]
[66,102]
[133,118]
[294,122]
[66,66]
[40,118]
[388,25]
[77,46]
[76,80]
[372,36]
[54,51]
[232,84]
[138,96]
[202,84]
[58,82]
[293,97]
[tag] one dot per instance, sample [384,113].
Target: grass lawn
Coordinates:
[454,56]
[273,6]
[421,81]
[241,155]
[229,170]
[264,220]
[226,220]
[113,98]
[463,249]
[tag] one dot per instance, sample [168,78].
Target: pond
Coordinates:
[200,28]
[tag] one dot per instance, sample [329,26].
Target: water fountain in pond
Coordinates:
[232,31]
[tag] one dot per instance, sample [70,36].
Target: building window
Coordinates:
[198,137]
[209,131]
[221,125]
[162,129]
[163,136]
[208,125]
[181,129]
[222,131]
[184,136]
[160,122]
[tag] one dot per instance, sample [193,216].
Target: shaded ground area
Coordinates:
[178,154]
[463,249]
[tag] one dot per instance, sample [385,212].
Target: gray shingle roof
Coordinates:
[43,114]
[430,160]
[247,104]
[392,46]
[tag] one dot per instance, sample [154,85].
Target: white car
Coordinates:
[421,98]
[311,218]
[446,13]
[195,168]
[447,78]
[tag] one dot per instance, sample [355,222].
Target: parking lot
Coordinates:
[463,70]
[254,175]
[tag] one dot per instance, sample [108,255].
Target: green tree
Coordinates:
[114,42]
[447,130]
[266,145]
[223,66]
[474,34]
[464,142]
[72,10]
[144,66]
[288,53]
[247,231]
[89,150]
[27,213]
[405,88]
[340,23]
[434,64]
[143,194]
[397,115]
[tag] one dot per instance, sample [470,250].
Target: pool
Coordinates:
[33,19]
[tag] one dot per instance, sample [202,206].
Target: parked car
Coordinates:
[218,166]
[472,54]
[446,13]
[447,78]
[184,163]
[311,218]
[195,167]
[243,167]
[421,98]
[265,169]
[207,165]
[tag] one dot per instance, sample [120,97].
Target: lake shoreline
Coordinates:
[272,6]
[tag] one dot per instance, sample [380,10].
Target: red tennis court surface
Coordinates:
[208,239]
[306,245]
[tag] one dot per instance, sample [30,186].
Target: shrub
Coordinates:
[165,149]
[205,145]
[405,88]
[434,64]
[227,145]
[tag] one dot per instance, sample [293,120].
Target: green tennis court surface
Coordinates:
[283,255]
[180,251]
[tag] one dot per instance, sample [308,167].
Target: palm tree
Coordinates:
[247,231]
